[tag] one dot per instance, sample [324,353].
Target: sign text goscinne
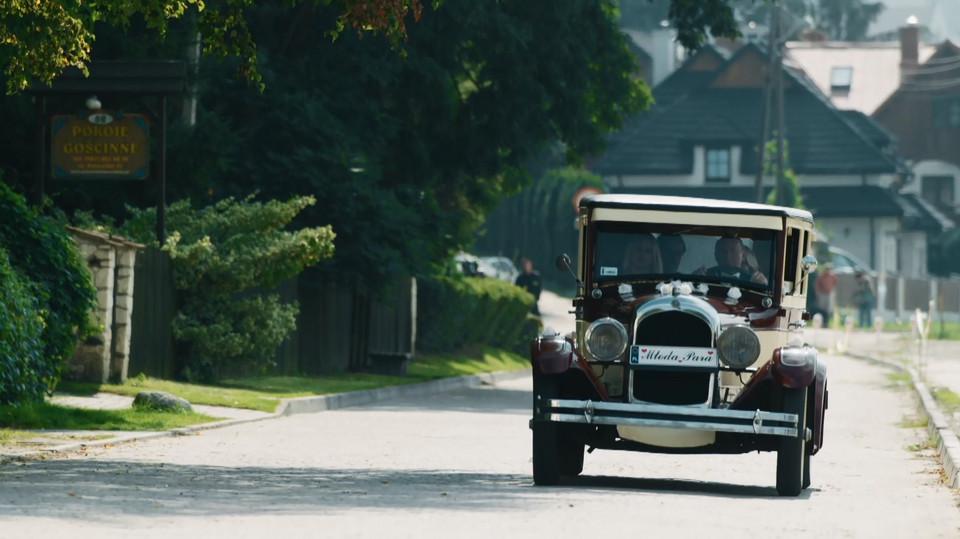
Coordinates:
[100,145]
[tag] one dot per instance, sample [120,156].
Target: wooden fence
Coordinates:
[338,328]
[900,297]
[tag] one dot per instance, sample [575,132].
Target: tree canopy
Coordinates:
[405,153]
[40,39]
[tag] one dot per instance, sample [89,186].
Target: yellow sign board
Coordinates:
[100,145]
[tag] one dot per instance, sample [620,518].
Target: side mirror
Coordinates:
[564,263]
[808,263]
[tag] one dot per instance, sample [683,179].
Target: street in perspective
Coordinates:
[458,464]
[409,269]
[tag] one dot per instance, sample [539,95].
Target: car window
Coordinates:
[637,251]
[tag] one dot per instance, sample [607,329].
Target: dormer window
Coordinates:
[718,165]
[840,79]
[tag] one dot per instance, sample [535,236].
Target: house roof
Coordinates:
[718,106]
[920,214]
[827,201]
[869,128]
[875,69]
[939,72]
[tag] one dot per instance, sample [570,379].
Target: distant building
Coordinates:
[701,136]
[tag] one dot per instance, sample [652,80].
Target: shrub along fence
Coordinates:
[338,328]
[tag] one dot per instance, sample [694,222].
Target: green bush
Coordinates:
[47,288]
[457,311]
[222,256]
[21,346]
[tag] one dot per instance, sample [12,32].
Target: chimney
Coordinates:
[909,45]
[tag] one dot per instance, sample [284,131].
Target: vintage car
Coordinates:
[688,318]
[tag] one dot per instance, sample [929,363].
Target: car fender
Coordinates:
[551,354]
[820,404]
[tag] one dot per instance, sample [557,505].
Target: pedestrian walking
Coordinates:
[865,299]
[530,281]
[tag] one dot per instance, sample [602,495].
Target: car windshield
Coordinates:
[638,251]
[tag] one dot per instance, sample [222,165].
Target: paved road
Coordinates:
[457,465]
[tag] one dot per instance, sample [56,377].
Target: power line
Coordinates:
[921,86]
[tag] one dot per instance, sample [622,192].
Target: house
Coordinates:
[856,75]
[700,139]
[883,80]
[924,114]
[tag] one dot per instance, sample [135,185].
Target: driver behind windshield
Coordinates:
[729,253]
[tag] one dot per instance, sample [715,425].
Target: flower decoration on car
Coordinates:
[703,288]
[733,295]
[626,291]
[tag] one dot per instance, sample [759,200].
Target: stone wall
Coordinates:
[105,356]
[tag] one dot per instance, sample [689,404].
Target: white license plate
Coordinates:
[673,356]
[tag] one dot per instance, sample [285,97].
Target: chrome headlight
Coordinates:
[738,347]
[605,339]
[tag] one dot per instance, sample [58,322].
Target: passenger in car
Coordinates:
[672,249]
[642,256]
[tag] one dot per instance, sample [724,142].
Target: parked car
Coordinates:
[467,264]
[845,262]
[706,357]
[499,267]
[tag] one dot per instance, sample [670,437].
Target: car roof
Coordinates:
[672,203]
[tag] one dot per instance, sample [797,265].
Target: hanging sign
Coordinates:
[100,145]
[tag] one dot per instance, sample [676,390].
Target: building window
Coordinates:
[938,190]
[946,111]
[718,165]
[840,79]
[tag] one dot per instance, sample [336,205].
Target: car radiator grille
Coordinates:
[672,386]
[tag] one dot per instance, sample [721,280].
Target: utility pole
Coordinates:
[778,50]
[765,113]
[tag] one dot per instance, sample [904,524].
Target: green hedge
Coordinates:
[42,263]
[456,311]
[21,327]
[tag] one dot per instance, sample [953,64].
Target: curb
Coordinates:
[321,403]
[293,406]
[948,445]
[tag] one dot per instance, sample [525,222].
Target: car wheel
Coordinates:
[792,455]
[546,454]
[570,456]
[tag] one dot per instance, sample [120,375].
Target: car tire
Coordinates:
[570,455]
[792,455]
[546,450]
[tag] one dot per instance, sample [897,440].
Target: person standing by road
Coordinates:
[529,280]
[825,284]
[864,298]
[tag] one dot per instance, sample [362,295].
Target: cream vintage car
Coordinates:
[689,316]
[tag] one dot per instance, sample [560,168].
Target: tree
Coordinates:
[407,153]
[42,38]
[791,187]
[846,20]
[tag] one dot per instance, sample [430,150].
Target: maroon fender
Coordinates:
[795,366]
[819,407]
[551,355]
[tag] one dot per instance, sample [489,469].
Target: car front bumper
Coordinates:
[659,415]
